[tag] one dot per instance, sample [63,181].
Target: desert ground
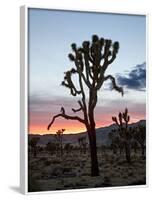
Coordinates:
[47,172]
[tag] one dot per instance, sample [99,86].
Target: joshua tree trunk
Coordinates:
[92,132]
[93,152]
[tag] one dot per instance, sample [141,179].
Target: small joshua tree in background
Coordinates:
[91,61]
[59,138]
[68,148]
[134,145]
[124,132]
[117,142]
[140,136]
[82,144]
[114,143]
[33,144]
[51,147]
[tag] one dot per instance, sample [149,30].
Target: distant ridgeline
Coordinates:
[102,135]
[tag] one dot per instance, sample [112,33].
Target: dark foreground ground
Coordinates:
[49,172]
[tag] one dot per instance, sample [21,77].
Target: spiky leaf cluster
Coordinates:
[87,60]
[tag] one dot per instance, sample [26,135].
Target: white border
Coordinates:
[24,98]
[147,102]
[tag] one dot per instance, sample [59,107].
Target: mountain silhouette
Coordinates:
[102,135]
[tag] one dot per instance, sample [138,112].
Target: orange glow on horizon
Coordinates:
[42,130]
[71,127]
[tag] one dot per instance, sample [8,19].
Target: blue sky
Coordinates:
[51,33]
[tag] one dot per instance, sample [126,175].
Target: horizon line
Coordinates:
[82,131]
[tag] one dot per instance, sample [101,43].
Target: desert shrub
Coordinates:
[57,171]
[130,174]
[43,159]
[51,147]
[138,182]
[99,184]
[33,185]
[56,161]
[106,182]
[68,148]
[81,184]
[67,170]
[32,143]
[69,185]
[47,163]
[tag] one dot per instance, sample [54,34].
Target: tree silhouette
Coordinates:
[116,141]
[59,137]
[140,136]
[82,144]
[51,147]
[68,148]
[124,131]
[33,143]
[134,145]
[91,62]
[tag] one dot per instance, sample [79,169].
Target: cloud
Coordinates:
[47,104]
[135,79]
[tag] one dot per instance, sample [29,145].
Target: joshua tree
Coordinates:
[117,140]
[114,141]
[59,138]
[134,145]
[82,144]
[140,136]
[68,147]
[33,142]
[51,147]
[124,131]
[91,62]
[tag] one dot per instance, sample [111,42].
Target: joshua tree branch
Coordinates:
[86,80]
[65,116]
[77,59]
[80,63]
[86,60]
[69,83]
[87,66]
[79,109]
[101,75]
[76,110]
[107,61]
[83,104]
[73,90]
[117,88]
[112,59]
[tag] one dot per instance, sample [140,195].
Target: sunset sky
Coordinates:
[50,36]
